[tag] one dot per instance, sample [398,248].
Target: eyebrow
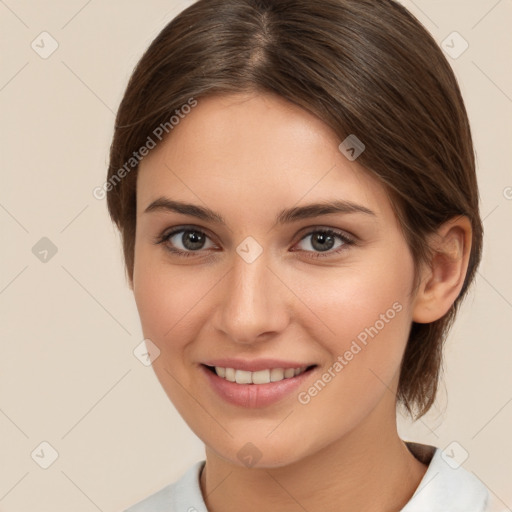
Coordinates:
[284,217]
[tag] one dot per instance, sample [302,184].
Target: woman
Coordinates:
[295,187]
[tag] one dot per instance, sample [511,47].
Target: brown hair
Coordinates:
[365,67]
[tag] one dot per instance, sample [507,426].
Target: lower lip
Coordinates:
[254,395]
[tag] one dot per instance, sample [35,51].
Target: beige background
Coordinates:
[68,375]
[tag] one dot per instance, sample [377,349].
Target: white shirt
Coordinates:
[442,489]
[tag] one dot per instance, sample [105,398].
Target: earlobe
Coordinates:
[442,280]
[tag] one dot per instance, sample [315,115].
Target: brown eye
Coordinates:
[191,240]
[185,241]
[323,241]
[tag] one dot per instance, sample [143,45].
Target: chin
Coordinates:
[263,454]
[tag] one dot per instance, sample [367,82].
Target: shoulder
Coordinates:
[446,485]
[184,495]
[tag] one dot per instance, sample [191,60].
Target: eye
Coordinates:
[324,240]
[185,241]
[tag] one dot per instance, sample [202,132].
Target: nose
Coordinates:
[253,304]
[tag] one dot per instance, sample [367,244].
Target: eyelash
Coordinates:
[347,241]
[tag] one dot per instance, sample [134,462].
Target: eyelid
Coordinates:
[167,233]
[309,230]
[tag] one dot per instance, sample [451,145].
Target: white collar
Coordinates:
[444,488]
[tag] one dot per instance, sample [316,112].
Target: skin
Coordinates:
[247,157]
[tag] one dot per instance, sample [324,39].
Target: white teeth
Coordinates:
[276,374]
[289,372]
[243,377]
[259,377]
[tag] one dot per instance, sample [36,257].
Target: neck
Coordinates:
[368,469]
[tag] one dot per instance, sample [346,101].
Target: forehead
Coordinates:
[255,150]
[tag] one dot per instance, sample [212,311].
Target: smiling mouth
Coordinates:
[258,377]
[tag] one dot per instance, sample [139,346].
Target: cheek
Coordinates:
[370,315]
[363,311]
[165,299]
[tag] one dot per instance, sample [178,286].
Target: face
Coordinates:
[254,289]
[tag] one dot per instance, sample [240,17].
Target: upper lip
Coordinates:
[253,365]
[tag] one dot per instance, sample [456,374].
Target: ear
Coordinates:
[443,277]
